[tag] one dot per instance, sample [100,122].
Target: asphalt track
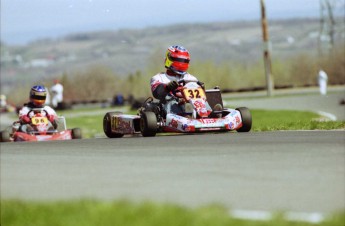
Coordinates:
[299,171]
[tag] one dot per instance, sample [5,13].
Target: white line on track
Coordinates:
[327,115]
[266,216]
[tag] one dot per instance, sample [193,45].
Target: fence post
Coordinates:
[266,49]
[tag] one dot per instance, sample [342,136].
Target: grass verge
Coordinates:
[92,212]
[264,120]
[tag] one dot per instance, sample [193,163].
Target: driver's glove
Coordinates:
[25,119]
[171,86]
[51,118]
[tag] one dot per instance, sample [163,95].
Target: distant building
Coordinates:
[40,62]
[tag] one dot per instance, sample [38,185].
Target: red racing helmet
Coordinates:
[177,59]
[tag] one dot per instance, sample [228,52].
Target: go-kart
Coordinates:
[196,117]
[40,129]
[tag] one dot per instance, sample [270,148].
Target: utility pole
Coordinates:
[267,47]
[327,27]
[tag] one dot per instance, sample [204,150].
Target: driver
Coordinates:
[176,63]
[38,95]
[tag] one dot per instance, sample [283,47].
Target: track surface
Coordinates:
[291,171]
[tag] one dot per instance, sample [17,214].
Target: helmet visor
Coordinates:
[177,59]
[38,98]
[38,95]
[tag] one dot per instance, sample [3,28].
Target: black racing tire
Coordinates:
[76,133]
[107,125]
[5,136]
[148,124]
[246,119]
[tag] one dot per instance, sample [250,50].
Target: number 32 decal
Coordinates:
[194,93]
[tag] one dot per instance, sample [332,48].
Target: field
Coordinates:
[228,54]
[122,212]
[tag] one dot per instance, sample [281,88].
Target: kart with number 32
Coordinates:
[196,117]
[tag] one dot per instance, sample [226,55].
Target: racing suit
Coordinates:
[159,91]
[26,113]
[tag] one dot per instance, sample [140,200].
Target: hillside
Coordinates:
[127,51]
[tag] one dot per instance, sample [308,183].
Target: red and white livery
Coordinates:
[40,129]
[197,115]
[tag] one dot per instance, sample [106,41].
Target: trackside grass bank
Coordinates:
[92,212]
[263,120]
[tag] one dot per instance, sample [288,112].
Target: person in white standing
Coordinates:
[3,102]
[57,93]
[323,78]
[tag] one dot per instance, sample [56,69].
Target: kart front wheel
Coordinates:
[246,119]
[76,133]
[148,124]
[107,125]
[5,136]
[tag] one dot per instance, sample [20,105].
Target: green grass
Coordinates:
[91,126]
[92,212]
[263,120]
[90,120]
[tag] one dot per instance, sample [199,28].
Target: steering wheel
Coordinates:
[35,110]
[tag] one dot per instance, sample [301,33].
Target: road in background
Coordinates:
[304,99]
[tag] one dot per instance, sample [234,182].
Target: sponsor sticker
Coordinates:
[233,113]
[121,125]
[231,125]
[238,120]
[173,123]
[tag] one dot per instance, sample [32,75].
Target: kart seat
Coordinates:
[214,98]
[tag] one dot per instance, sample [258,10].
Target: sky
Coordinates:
[23,21]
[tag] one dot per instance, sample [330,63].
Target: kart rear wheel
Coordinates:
[246,119]
[107,125]
[148,124]
[76,133]
[5,136]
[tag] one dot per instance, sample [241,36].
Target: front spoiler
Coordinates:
[63,135]
[231,121]
[130,124]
